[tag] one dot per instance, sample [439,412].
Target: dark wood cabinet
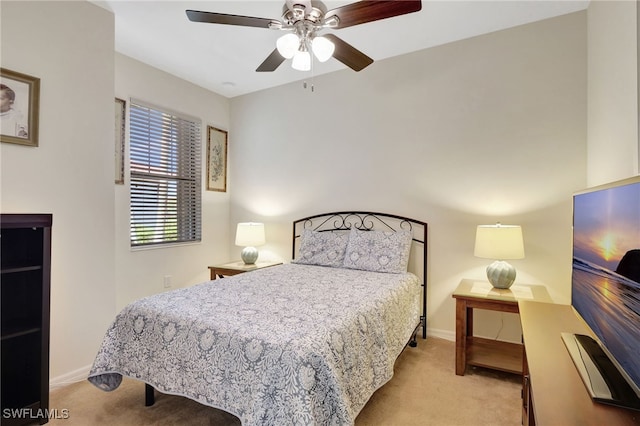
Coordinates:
[25,266]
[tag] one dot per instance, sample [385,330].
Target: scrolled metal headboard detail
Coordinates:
[369,221]
[363,221]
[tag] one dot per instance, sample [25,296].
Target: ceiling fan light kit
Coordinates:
[287,45]
[292,46]
[301,61]
[322,48]
[303,19]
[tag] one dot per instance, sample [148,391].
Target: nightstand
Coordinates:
[238,267]
[488,353]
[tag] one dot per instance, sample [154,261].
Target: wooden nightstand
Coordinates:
[488,353]
[239,267]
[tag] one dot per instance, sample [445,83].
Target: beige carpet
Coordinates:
[423,391]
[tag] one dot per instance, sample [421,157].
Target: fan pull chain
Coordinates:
[305,84]
[312,77]
[312,72]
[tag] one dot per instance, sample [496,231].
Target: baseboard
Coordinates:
[72,377]
[443,334]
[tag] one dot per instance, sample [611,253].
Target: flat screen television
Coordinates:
[605,291]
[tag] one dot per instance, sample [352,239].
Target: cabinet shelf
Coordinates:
[11,334]
[25,268]
[494,354]
[17,269]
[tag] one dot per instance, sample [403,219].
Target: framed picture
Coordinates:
[121,108]
[216,159]
[19,107]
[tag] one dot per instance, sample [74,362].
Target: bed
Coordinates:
[306,342]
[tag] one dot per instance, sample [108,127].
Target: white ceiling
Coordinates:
[223,58]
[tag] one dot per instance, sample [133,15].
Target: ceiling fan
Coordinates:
[304,19]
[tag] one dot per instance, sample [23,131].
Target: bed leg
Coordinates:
[149,395]
[413,343]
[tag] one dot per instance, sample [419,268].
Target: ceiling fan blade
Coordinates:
[349,55]
[222,18]
[368,11]
[272,62]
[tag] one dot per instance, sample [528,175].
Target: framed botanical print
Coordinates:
[19,107]
[216,159]
[119,151]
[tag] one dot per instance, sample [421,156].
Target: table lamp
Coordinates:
[250,234]
[499,242]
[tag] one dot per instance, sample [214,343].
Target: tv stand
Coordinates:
[553,391]
[601,377]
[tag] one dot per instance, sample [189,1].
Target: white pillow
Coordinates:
[322,248]
[378,251]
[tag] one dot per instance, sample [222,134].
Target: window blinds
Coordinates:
[165,176]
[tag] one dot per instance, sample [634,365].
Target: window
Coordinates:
[165,176]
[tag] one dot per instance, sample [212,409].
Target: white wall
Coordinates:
[487,129]
[613,91]
[449,110]
[141,272]
[69,46]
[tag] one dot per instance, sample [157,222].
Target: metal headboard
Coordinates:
[368,221]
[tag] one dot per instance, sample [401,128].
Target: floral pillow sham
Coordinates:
[322,248]
[377,251]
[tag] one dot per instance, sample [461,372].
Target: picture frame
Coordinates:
[20,108]
[216,159]
[120,120]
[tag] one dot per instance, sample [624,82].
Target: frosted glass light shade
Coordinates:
[499,242]
[301,61]
[287,45]
[322,48]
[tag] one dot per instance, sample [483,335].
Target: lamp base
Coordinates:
[501,274]
[249,255]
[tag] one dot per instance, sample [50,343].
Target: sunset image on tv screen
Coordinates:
[606,270]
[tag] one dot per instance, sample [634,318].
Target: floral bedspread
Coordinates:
[290,344]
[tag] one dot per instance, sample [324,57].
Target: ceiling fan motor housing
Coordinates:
[313,15]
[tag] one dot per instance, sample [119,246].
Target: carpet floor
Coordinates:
[423,391]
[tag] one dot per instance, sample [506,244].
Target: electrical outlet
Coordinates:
[167,281]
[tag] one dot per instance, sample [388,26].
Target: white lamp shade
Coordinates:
[301,61]
[322,48]
[499,242]
[250,234]
[287,45]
